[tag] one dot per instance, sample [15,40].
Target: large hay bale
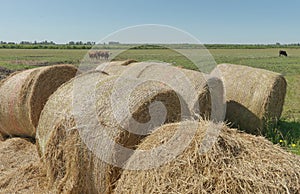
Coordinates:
[208,91]
[115,67]
[255,97]
[74,141]
[236,163]
[24,94]
[20,167]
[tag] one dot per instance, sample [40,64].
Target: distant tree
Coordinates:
[71,43]
[113,42]
[90,43]
[79,43]
[25,42]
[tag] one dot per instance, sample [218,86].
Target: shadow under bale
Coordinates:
[233,113]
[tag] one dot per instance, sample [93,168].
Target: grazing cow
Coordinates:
[93,55]
[283,53]
[105,55]
[99,55]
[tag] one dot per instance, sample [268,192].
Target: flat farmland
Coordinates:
[287,133]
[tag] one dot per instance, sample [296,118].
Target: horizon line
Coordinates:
[25,42]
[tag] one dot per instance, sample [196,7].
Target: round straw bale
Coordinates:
[81,136]
[255,97]
[23,95]
[205,88]
[20,167]
[115,67]
[235,163]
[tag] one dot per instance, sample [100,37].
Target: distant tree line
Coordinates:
[251,46]
[46,45]
[81,43]
[45,42]
[116,45]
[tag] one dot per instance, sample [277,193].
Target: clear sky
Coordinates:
[210,21]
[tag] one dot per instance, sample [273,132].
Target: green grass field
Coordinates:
[29,58]
[288,131]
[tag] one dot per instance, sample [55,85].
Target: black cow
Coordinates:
[283,53]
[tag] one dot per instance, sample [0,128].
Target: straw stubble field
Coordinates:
[287,133]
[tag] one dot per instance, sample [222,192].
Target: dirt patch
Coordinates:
[39,63]
[4,72]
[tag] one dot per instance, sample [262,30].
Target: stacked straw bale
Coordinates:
[255,97]
[234,162]
[209,91]
[115,67]
[76,144]
[24,94]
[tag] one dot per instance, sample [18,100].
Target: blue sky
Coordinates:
[210,21]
